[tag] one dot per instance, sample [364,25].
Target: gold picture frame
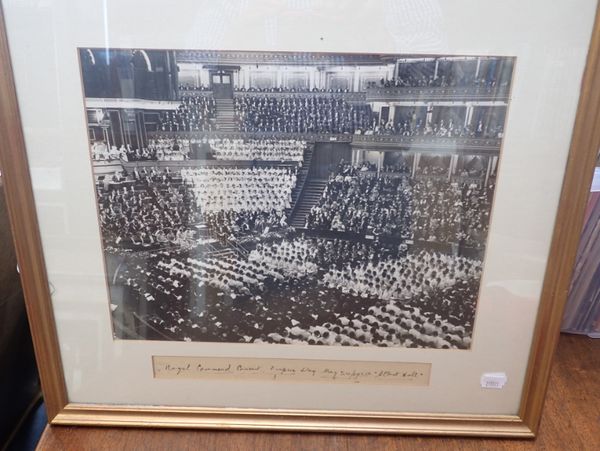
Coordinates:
[20,200]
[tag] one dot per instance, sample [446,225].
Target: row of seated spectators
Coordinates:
[264,298]
[241,189]
[442,128]
[202,87]
[152,207]
[315,114]
[258,149]
[293,89]
[427,209]
[143,215]
[195,113]
[193,87]
[163,148]
[417,79]
[229,226]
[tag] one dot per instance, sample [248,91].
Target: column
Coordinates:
[429,117]
[380,162]
[452,166]
[494,166]
[415,163]
[469,115]
[488,171]
[105,135]
[247,78]
[435,72]
[356,80]
[204,77]
[392,113]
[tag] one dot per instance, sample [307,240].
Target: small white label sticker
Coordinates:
[493,380]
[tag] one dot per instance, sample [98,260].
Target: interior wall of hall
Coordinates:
[122,73]
[123,126]
[352,78]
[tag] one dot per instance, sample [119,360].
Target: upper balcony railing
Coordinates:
[191,92]
[379,94]
[364,142]
[348,96]
[457,144]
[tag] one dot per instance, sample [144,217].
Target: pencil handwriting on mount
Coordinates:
[292,370]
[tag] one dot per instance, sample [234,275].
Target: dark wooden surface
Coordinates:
[571,421]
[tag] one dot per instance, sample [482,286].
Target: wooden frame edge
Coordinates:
[299,420]
[583,153]
[21,207]
[26,236]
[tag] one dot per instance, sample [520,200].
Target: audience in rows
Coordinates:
[300,114]
[292,89]
[156,214]
[412,126]
[425,299]
[195,113]
[241,189]
[193,87]
[423,209]
[258,149]
[150,208]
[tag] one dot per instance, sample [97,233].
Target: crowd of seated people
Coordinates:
[396,168]
[449,79]
[258,149]
[292,89]
[165,149]
[150,212]
[422,300]
[294,258]
[241,189]
[423,209]
[157,149]
[337,253]
[103,152]
[409,125]
[315,114]
[195,113]
[429,300]
[157,207]
[228,226]
[432,170]
[193,87]
[351,203]
[457,212]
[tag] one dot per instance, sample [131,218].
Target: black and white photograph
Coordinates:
[294,198]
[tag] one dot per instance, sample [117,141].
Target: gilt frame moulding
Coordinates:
[20,199]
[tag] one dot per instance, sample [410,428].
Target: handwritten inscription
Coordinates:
[292,370]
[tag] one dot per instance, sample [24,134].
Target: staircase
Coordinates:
[224,118]
[302,176]
[312,193]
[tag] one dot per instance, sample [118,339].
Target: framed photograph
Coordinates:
[270,215]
